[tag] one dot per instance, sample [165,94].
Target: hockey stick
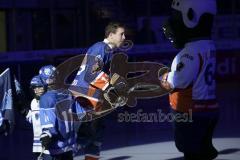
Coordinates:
[121,100]
[140,87]
[41,154]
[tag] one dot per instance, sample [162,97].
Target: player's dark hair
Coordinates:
[112,28]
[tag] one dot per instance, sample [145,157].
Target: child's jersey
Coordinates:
[33,117]
[56,122]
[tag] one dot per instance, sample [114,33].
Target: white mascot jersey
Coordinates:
[193,75]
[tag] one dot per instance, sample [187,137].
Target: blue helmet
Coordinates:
[37,82]
[47,72]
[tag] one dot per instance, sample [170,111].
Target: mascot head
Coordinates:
[190,20]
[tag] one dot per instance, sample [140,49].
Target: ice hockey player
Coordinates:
[38,88]
[58,135]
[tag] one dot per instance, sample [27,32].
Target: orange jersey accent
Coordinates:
[101,81]
[181,99]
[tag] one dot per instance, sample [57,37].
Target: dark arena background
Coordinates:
[34,33]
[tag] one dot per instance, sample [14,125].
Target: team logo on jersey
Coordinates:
[98,64]
[98,58]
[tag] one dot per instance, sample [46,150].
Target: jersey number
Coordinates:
[209,74]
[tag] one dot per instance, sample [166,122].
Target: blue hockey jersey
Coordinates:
[56,122]
[93,75]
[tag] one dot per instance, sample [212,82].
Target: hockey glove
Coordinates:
[46,141]
[5,127]
[116,92]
